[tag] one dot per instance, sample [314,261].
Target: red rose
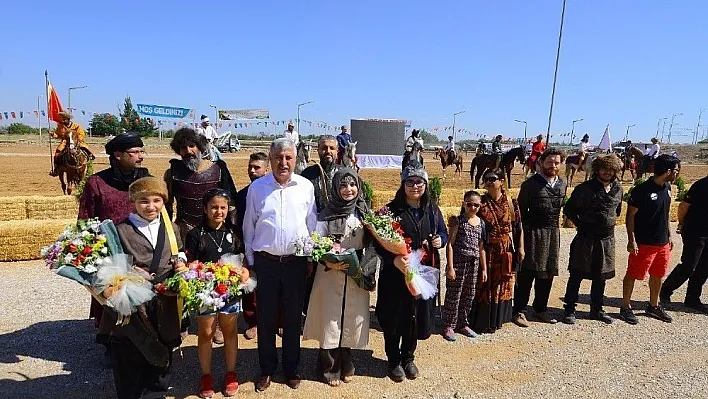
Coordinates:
[81,258]
[232,272]
[161,288]
[221,289]
[72,248]
[86,251]
[396,225]
[407,240]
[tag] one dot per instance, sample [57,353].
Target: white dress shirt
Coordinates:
[209,132]
[294,136]
[278,215]
[653,150]
[450,145]
[150,230]
[585,147]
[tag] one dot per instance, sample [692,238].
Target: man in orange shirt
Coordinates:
[63,132]
[536,151]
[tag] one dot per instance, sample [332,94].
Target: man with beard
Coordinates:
[105,196]
[189,178]
[593,207]
[649,237]
[257,167]
[540,201]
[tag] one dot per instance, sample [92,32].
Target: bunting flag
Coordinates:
[53,105]
[605,143]
[22,114]
[13,115]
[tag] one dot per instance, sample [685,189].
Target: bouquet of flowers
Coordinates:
[208,287]
[124,287]
[421,280]
[313,246]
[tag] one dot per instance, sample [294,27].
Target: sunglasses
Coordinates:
[471,204]
[415,183]
[490,179]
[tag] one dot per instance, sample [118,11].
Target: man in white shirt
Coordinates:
[654,149]
[292,134]
[277,204]
[450,148]
[210,133]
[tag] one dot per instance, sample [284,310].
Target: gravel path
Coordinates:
[46,350]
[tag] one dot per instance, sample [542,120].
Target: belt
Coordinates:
[276,258]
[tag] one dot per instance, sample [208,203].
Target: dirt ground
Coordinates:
[24,169]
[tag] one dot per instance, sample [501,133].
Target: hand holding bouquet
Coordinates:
[386,229]
[81,249]
[124,287]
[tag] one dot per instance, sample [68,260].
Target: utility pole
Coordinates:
[698,125]
[555,76]
[454,132]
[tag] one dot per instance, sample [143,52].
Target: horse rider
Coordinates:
[450,149]
[343,140]
[628,147]
[653,151]
[537,149]
[528,148]
[410,143]
[292,134]
[208,131]
[497,150]
[62,132]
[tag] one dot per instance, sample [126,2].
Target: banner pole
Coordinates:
[49,127]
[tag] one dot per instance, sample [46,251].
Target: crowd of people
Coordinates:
[497,249]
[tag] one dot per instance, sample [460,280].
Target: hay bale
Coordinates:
[13,208]
[23,239]
[57,207]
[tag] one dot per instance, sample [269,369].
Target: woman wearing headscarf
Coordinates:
[338,312]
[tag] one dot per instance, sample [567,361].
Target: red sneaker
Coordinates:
[206,386]
[231,384]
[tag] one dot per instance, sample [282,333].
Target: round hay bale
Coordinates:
[23,239]
[13,208]
[57,207]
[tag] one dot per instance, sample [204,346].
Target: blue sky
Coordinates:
[623,62]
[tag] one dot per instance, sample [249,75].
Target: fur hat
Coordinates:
[607,161]
[65,114]
[414,169]
[147,186]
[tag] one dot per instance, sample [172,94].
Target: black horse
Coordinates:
[482,162]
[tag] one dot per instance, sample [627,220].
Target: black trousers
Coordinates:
[693,267]
[400,348]
[335,364]
[280,286]
[542,291]
[134,376]
[597,293]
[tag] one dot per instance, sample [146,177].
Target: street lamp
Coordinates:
[525,126]
[555,76]
[298,114]
[672,125]
[698,125]
[626,135]
[454,116]
[572,131]
[216,113]
[74,88]
[39,117]
[657,126]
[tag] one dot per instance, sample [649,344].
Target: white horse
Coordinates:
[349,156]
[414,155]
[303,157]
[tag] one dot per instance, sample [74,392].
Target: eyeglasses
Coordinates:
[415,183]
[471,204]
[136,152]
[491,179]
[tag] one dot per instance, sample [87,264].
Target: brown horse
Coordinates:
[71,166]
[576,163]
[446,160]
[482,162]
[630,161]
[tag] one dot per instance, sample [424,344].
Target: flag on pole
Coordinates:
[605,143]
[53,105]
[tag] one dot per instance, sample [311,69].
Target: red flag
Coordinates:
[13,115]
[53,105]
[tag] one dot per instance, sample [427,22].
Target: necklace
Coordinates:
[219,247]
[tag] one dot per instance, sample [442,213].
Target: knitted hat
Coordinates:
[414,169]
[147,186]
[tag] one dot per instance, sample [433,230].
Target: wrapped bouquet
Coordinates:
[208,287]
[124,287]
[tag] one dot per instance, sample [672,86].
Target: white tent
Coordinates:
[605,143]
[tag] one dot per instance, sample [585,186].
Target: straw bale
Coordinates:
[23,239]
[12,208]
[57,207]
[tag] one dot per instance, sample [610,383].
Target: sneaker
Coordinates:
[698,306]
[600,315]
[628,316]
[569,318]
[449,335]
[520,320]
[218,335]
[545,317]
[230,384]
[396,373]
[659,313]
[206,386]
[411,370]
[467,332]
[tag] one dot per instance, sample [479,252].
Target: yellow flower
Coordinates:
[183,288]
[222,273]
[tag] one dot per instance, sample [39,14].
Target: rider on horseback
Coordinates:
[450,150]
[411,142]
[62,132]
[654,149]
[343,140]
[497,150]
[583,149]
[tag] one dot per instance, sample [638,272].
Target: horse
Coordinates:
[303,157]
[482,162]
[446,160]
[416,154]
[349,157]
[572,164]
[71,165]
[633,156]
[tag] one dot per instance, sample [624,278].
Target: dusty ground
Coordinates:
[31,163]
[46,350]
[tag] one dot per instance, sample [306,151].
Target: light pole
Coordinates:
[663,129]
[216,113]
[626,135]
[698,125]
[74,88]
[525,126]
[657,125]
[572,131]
[39,117]
[555,76]
[672,125]
[298,114]
[454,116]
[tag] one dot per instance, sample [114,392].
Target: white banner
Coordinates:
[238,114]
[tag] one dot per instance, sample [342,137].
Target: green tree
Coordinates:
[429,138]
[132,122]
[21,128]
[105,125]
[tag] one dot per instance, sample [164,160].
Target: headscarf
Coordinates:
[338,209]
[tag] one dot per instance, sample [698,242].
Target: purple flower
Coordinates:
[190,275]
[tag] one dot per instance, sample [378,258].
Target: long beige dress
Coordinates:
[338,308]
